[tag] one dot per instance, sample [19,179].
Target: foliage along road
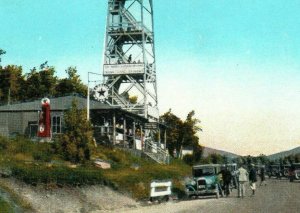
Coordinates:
[7,205]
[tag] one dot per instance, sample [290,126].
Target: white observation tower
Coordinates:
[129,57]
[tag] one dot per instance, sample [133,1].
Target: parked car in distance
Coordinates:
[205,181]
[274,170]
[286,170]
[294,172]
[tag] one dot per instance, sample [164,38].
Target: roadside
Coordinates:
[10,201]
[279,196]
[70,199]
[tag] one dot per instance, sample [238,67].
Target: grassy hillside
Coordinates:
[5,207]
[208,151]
[36,163]
[283,154]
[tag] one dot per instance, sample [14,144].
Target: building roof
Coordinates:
[57,103]
[64,103]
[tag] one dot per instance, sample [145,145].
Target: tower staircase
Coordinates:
[156,153]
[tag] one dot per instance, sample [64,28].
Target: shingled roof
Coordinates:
[58,103]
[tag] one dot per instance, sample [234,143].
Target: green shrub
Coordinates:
[41,156]
[33,174]
[188,159]
[76,144]
[42,152]
[3,143]
[179,192]
[5,206]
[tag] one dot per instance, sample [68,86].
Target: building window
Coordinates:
[56,124]
[33,128]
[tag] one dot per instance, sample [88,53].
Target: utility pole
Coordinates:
[8,98]
[88,94]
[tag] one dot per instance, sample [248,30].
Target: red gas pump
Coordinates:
[44,130]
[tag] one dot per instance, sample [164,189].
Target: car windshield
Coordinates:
[203,171]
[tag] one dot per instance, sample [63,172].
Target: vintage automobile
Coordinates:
[294,173]
[274,170]
[205,181]
[286,170]
[278,170]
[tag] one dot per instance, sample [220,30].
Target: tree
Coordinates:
[71,84]
[188,135]
[133,99]
[216,158]
[11,83]
[297,158]
[2,52]
[182,133]
[77,141]
[40,83]
[263,159]
[174,124]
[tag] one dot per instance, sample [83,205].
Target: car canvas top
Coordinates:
[206,165]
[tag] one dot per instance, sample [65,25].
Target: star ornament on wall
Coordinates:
[101,92]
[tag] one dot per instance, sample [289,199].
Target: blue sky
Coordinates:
[236,63]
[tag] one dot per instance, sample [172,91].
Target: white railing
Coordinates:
[137,25]
[120,100]
[155,152]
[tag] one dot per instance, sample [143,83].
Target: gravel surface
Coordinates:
[68,199]
[278,196]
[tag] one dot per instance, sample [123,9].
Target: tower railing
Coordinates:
[120,100]
[137,25]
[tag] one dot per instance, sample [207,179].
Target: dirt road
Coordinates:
[278,196]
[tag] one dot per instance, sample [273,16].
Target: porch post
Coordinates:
[133,135]
[124,131]
[142,140]
[159,138]
[165,139]
[114,128]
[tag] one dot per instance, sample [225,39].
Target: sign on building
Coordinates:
[101,92]
[151,125]
[123,69]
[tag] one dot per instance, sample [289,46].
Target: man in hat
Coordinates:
[227,180]
[243,178]
[252,178]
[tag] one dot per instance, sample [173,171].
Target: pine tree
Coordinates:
[76,143]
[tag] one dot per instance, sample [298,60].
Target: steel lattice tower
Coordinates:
[129,57]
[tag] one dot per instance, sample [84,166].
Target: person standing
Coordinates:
[262,176]
[252,179]
[243,178]
[129,58]
[227,180]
